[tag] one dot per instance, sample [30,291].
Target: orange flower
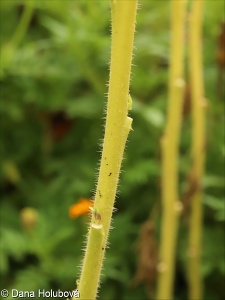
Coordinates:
[82,207]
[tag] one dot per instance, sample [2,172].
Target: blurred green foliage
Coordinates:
[53,83]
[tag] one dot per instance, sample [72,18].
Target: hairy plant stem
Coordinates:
[118,125]
[170,152]
[198,148]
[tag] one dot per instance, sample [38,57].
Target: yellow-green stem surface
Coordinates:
[198,149]
[170,155]
[8,50]
[118,125]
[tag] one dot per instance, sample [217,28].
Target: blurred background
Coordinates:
[54,70]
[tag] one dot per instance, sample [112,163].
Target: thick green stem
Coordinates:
[170,153]
[198,149]
[118,125]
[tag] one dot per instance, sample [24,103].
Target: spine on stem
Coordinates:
[117,128]
[170,155]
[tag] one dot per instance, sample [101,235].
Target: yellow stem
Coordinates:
[118,125]
[170,155]
[198,149]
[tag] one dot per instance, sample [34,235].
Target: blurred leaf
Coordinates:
[12,172]
[152,115]
[213,181]
[213,257]
[12,244]
[86,107]
[141,171]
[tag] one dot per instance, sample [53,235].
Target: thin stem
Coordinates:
[118,125]
[170,153]
[8,50]
[23,24]
[198,149]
